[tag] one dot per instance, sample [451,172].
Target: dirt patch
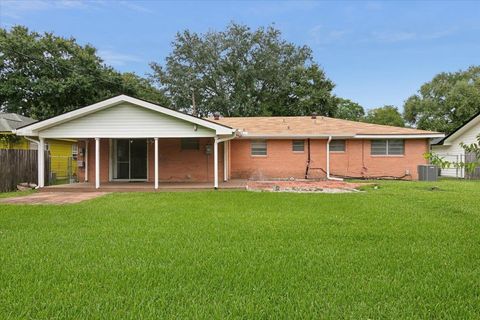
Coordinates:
[53,198]
[325,186]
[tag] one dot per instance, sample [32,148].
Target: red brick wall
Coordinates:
[184,165]
[282,162]
[175,164]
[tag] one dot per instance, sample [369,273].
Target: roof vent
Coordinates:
[216,116]
[314,115]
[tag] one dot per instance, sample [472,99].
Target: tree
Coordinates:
[43,75]
[446,102]
[349,110]
[240,72]
[387,115]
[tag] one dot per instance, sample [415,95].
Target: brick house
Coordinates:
[127,139]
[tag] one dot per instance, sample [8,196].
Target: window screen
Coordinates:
[379,147]
[298,145]
[337,145]
[396,147]
[259,148]
[388,147]
[190,144]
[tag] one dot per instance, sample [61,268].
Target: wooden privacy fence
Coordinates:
[17,166]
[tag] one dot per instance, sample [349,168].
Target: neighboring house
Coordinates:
[450,149]
[127,139]
[62,152]
[8,123]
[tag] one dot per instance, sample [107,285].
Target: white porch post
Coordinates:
[156,163]
[97,163]
[41,163]
[225,160]
[215,163]
[86,160]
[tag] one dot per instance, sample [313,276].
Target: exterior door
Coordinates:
[130,159]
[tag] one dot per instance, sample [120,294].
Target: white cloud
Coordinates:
[402,36]
[14,9]
[116,59]
[322,35]
[396,36]
[135,7]
[269,8]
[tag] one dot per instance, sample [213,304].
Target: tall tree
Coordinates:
[244,72]
[387,115]
[43,75]
[348,110]
[446,102]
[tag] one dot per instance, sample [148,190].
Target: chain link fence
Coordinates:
[63,170]
[457,167]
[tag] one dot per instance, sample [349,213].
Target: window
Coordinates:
[190,144]
[74,151]
[259,148]
[337,146]
[298,145]
[389,147]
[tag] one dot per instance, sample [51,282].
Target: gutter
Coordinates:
[38,147]
[32,140]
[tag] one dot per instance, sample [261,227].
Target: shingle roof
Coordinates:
[306,126]
[11,121]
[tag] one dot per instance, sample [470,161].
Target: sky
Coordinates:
[377,53]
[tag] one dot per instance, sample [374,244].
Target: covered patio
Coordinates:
[125,141]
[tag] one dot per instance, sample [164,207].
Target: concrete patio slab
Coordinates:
[53,198]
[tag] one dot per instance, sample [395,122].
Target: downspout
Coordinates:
[328,162]
[38,147]
[226,154]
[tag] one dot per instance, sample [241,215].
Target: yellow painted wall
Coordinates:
[61,158]
[22,144]
[60,153]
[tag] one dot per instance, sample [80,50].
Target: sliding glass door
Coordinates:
[130,159]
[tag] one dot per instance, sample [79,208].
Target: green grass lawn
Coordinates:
[402,251]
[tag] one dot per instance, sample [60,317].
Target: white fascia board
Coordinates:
[475,121]
[399,136]
[34,128]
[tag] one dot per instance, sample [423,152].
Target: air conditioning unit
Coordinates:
[427,172]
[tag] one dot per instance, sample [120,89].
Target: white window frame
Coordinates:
[252,147]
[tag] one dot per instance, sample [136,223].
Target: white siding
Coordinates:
[454,151]
[126,121]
